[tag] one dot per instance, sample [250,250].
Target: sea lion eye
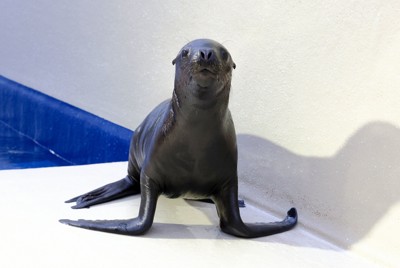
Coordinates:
[224,54]
[184,53]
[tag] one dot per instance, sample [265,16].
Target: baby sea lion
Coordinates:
[186,147]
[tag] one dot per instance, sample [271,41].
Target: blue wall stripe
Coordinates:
[72,133]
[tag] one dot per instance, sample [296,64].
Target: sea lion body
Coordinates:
[186,147]
[188,161]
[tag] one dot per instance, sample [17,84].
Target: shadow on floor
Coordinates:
[342,197]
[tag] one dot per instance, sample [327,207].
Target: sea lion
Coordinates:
[186,147]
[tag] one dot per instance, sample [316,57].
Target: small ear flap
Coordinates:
[234,65]
[173,61]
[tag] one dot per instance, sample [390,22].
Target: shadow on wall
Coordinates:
[342,197]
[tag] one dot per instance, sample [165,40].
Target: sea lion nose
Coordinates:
[206,54]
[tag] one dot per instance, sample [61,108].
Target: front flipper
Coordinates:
[136,226]
[231,222]
[127,227]
[112,191]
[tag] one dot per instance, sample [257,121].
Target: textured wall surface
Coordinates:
[315,95]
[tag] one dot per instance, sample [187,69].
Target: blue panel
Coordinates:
[75,135]
[18,151]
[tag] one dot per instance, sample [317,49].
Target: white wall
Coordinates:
[316,86]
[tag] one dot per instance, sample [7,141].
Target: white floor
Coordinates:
[185,234]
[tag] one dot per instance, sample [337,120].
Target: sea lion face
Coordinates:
[203,71]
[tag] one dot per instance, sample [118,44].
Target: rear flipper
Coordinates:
[112,191]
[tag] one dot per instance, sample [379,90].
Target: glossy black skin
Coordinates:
[186,147]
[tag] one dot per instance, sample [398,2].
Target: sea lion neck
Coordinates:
[192,110]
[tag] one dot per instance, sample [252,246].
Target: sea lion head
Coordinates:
[203,72]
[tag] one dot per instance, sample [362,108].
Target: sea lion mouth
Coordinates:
[207,71]
[205,78]
[204,69]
